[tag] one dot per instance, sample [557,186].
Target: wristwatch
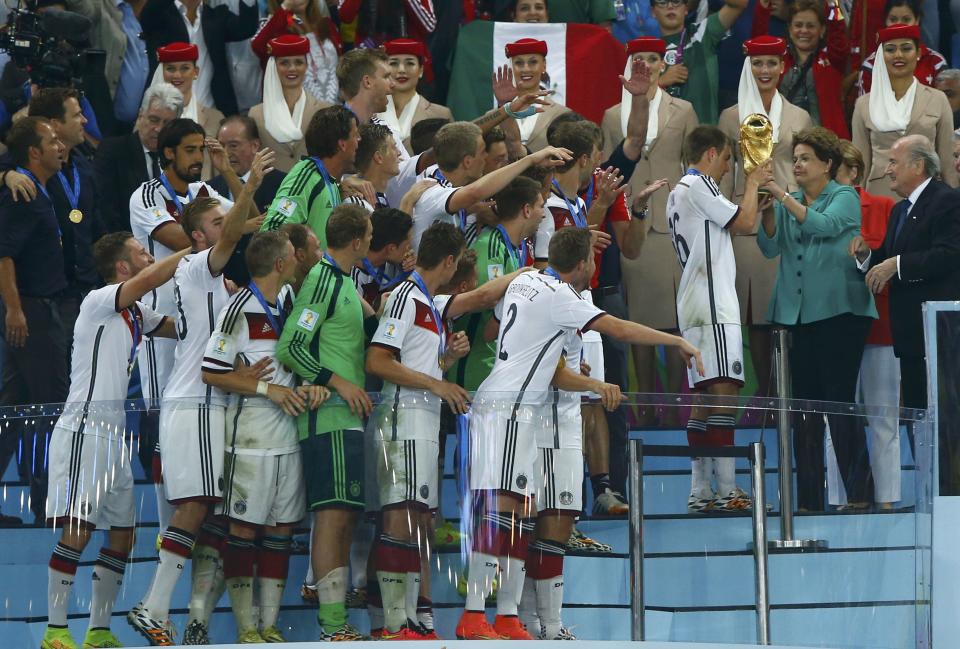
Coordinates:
[639,215]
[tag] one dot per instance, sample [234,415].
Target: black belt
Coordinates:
[605,291]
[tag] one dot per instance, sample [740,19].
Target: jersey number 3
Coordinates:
[511,318]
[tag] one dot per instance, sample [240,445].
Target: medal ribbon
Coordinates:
[72,192]
[327,181]
[579,218]
[275,322]
[552,273]
[416,279]
[461,214]
[331,261]
[135,324]
[173,195]
[43,190]
[515,252]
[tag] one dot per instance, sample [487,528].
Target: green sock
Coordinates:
[332,617]
[332,593]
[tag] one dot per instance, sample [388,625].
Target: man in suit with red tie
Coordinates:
[920,257]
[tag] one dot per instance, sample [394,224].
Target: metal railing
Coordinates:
[755,454]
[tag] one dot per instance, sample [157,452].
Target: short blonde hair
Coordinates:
[853,159]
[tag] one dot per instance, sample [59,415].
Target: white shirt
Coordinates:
[200,296]
[101,361]
[244,335]
[698,216]
[536,315]
[558,216]
[403,181]
[566,430]
[410,330]
[201,87]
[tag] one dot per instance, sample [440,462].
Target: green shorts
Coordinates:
[333,469]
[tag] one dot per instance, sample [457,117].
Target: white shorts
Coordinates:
[593,356]
[721,347]
[408,471]
[503,450]
[191,450]
[90,479]
[263,489]
[566,424]
[558,476]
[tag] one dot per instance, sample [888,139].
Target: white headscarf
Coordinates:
[281,125]
[190,110]
[626,103]
[887,112]
[403,122]
[749,101]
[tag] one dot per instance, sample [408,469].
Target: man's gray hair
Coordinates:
[164,94]
[919,147]
[950,74]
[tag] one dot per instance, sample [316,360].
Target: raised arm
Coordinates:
[149,278]
[236,219]
[493,182]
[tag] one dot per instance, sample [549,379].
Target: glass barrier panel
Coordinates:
[517,513]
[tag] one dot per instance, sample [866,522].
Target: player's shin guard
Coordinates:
[107,579]
[393,560]
[273,564]
[512,560]
[699,467]
[204,567]
[547,557]
[175,548]
[720,432]
[239,556]
[61,574]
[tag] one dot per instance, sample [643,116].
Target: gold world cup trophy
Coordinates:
[756,142]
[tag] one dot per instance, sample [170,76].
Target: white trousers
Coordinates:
[878,385]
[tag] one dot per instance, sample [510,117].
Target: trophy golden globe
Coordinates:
[756,142]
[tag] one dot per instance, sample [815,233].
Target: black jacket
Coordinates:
[163,24]
[120,168]
[236,269]
[929,250]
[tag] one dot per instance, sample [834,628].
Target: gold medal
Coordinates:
[75,216]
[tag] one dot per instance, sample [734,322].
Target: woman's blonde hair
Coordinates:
[853,158]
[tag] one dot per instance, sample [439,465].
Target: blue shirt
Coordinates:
[133,68]
[638,21]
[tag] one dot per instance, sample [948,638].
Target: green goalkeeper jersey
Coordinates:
[305,196]
[324,335]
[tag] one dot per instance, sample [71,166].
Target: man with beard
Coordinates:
[156,208]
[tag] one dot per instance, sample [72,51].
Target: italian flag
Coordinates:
[583,65]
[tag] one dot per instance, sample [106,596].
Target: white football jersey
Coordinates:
[566,424]
[433,206]
[536,315]
[362,202]
[699,217]
[244,335]
[410,330]
[150,207]
[200,297]
[557,216]
[101,360]
[403,181]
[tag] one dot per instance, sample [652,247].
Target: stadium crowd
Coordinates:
[265,220]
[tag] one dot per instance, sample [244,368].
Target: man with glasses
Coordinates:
[693,73]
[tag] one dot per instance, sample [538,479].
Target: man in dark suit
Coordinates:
[240,138]
[166,21]
[125,162]
[920,257]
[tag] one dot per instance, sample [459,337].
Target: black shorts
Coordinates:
[333,469]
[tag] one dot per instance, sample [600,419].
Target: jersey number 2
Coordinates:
[511,318]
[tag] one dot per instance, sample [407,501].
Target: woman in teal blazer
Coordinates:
[822,298]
